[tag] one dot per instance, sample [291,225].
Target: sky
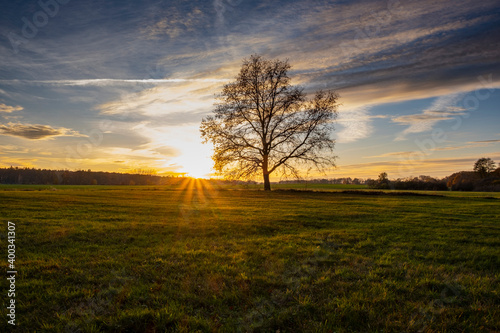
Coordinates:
[123,85]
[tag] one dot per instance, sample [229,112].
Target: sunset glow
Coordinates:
[419,82]
[195,161]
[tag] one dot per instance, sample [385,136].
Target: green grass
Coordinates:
[183,259]
[309,186]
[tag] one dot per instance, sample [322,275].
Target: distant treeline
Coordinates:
[460,181]
[344,181]
[81,177]
[32,176]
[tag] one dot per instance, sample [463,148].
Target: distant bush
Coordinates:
[472,181]
[430,184]
[422,183]
[382,183]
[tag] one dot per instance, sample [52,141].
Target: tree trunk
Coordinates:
[267,183]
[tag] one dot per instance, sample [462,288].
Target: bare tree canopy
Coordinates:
[262,124]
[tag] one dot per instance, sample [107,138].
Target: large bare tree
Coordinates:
[262,124]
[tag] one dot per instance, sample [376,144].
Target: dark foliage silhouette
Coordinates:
[484,166]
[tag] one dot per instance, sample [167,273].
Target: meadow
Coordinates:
[193,258]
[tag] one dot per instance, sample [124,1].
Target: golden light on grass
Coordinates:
[195,196]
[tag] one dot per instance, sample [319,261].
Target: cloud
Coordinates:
[470,144]
[12,149]
[181,54]
[409,39]
[424,49]
[9,109]
[443,108]
[465,146]
[147,157]
[394,154]
[108,82]
[487,141]
[183,102]
[383,31]
[419,154]
[15,150]
[355,124]
[174,24]
[36,132]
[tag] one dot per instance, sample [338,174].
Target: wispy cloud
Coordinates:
[36,131]
[415,39]
[393,154]
[487,141]
[355,123]
[174,23]
[419,154]
[107,82]
[443,108]
[12,149]
[470,144]
[9,109]
[386,56]
[184,99]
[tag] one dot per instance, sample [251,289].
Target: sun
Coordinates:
[195,161]
[197,171]
[189,155]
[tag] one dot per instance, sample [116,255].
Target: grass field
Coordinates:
[307,186]
[193,258]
